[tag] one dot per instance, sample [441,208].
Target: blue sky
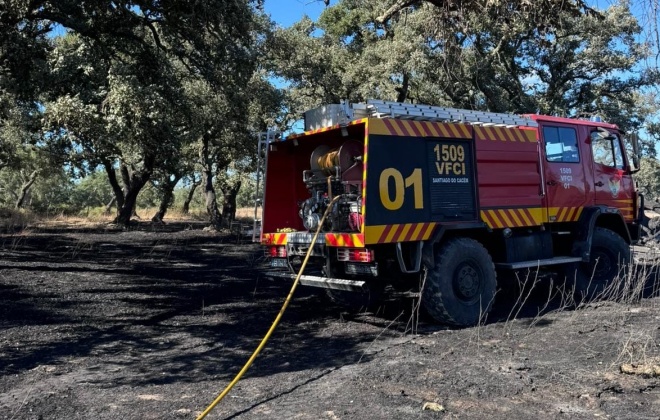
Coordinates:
[287,12]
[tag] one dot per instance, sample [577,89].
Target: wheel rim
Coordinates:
[467,282]
[602,265]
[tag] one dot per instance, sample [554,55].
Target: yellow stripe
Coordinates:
[454,130]
[505,218]
[497,133]
[404,232]
[514,216]
[530,134]
[488,218]
[539,215]
[409,127]
[483,218]
[372,233]
[510,134]
[561,217]
[377,126]
[552,212]
[578,213]
[417,231]
[396,126]
[495,218]
[402,126]
[391,233]
[466,132]
[442,129]
[433,128]
[523,214]
[504,133]
[429,231]
[500,218]
[488,135]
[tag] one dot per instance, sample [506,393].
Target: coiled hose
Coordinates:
[263,342]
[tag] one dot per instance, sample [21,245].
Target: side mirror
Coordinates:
[634,142]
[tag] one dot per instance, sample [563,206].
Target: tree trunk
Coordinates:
[206,160]
[127,210]
[114,183]
[403,89]
[166,200]
[229,194]
[25,188]
[210,197]
[191,193]
[108,206]
[134,181]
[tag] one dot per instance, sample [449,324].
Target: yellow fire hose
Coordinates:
[263,342]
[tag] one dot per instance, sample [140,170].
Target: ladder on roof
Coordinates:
[264,138]
[387,109]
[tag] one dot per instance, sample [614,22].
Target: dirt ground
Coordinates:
[154,322]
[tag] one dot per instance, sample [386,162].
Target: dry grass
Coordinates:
[15,220]
[247,213]
[631,293]
[21,220]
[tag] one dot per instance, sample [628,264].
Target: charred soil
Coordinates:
[153,322]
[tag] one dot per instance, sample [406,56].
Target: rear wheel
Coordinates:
[604,275]
[460,289]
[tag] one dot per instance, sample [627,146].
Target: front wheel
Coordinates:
[460,289]
[604,275]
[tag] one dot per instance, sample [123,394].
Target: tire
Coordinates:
[460,289]
[610,257]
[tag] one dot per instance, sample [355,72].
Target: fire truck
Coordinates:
[451,195]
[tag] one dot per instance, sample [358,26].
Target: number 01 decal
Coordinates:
[400,185]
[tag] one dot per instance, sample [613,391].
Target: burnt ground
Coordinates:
[152,323]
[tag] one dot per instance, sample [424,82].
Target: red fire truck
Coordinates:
[456,193]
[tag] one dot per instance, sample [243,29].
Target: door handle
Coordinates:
[552,183]
[599,184]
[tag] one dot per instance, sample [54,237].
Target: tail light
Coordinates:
[362,255]
[278,251]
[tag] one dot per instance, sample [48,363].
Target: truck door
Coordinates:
[565,180]
[612,186]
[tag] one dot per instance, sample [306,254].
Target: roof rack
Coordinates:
[418,112]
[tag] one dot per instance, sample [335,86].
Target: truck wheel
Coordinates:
[610,256]
[460,289]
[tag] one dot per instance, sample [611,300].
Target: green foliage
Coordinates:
[133,85]
[152,92]
[648,178]
[497,56]
[49,194]
[247,194]
[92,191]
[181,194]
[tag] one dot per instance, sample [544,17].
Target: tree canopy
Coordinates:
[150,92]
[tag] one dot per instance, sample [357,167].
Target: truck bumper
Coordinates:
[322,282]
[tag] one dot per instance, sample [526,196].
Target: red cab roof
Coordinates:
[546,118]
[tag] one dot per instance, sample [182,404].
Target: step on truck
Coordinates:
[456,194]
